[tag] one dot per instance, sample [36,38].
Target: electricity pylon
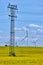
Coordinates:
[13,8]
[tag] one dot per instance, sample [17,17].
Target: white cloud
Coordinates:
[30,25]
[40,30]
[21,29]
[18,29]
[24,28]
[33,25]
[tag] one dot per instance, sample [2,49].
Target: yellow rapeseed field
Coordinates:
[24,56]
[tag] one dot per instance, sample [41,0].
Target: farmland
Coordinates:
[24,56]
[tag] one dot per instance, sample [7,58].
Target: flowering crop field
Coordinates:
[24,56]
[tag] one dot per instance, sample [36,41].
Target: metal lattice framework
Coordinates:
[13,8]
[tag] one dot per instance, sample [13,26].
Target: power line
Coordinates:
[24,12]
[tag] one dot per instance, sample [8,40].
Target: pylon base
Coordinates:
[12,54]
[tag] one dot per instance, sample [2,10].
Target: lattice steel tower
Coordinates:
[13,8]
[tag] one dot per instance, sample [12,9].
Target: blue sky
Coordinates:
[30,13]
